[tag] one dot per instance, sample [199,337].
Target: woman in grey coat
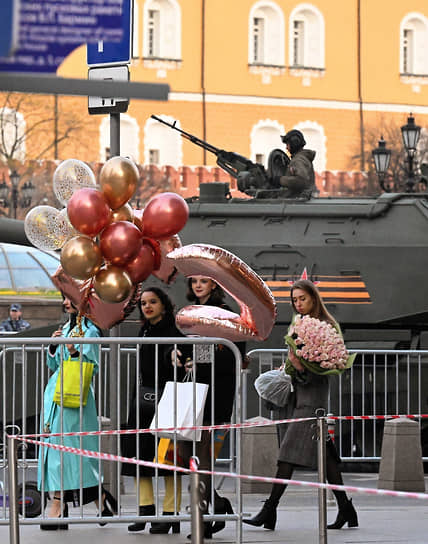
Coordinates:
[298,448]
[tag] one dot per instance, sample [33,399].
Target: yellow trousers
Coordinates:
[147,496]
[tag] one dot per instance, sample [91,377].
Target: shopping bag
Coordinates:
[219,437]
[180,399]
[274,386]
[71,383]
[166,453]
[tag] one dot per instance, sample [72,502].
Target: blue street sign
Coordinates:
[8,27]
[106,53]
[48,30]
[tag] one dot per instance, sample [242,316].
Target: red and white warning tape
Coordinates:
[318,485]
[244,425]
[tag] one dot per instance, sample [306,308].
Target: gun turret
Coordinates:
[251,177]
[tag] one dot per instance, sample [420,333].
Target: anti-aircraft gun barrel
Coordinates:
[231,162]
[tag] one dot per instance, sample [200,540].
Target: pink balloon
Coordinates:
[167,271]
[120,242]
[165,215]
[141,266]
[88,211]
[83,296]
[256,302]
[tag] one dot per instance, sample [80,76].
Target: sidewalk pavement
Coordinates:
[382,519]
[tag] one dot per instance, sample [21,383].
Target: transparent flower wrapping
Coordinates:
[319,345]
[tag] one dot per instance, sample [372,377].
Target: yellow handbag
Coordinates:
[71,383]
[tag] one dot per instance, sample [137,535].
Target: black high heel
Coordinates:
[56,526]
[208,530]
[266,517]
[109,507]
[346,514]
[148,510]
[162,528]
[225,508]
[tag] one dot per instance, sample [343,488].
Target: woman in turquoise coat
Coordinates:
[76,470]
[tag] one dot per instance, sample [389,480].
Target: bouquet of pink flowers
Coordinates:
[319,345]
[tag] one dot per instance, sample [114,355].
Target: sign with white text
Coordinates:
[48,30]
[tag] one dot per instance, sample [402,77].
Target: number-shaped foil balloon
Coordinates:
[256,302]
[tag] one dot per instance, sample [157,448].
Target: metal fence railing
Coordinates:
[380,382]
[23,378]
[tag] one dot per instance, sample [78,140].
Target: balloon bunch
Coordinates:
[102,240]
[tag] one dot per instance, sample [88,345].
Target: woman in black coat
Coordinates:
[205,291]
[157,321]
[298,447]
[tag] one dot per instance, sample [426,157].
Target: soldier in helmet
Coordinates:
[299,179]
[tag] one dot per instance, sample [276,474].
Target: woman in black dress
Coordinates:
[205,291]
[298,448]
[158,320]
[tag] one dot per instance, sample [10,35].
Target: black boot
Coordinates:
[162,528]
[109,507]
[346,514]
[222,506]
[148,510]
[266,516]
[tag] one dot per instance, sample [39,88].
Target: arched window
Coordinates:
[315,140]
[265,137]
[306,37]
[162,146]
[266,34]
[162,29]
[129,138]
[414,44]
[12,134]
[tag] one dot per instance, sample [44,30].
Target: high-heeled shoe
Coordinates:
[346,514]
[222,506]
[109,507]
[208,530]
[162,528]
[56,526]
[148,510]
[266,517]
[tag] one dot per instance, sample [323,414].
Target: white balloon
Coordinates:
[41,228]
[70,176]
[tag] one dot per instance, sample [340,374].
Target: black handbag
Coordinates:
[147,397]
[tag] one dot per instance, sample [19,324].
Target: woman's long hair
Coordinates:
[72,318]
[217,295]
[166,302]
[319,310]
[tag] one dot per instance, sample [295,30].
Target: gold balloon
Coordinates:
[81,258]
[112,284]
[124,213]
[118,180]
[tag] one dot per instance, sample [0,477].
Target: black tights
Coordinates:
[334,476]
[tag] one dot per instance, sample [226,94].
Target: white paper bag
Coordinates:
[178,398]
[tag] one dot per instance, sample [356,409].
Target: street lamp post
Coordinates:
[9,195]
[410,133]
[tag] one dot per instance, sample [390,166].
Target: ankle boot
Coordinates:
[162,528]
[148,510]
[266,516]
[346,514]
[222,506]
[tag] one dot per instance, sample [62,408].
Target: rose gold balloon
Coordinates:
[120,242]
[124,213]
[165,215]
[167,271]
[81,257]
[256,302]
[141,266]
[88,211]
[112,284]
[118,180]
[138,219]
[82,295]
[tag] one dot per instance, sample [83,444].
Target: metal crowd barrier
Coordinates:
[24,375]
[380,382]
